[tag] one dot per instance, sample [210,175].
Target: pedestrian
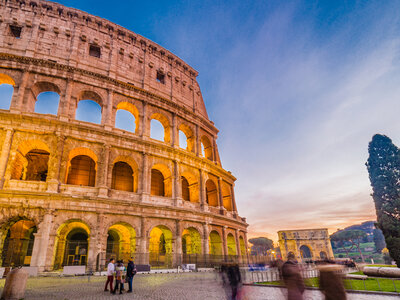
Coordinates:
[231,279]
[292,277]
[130,272]
[110,275]
[119,269]
[331,281]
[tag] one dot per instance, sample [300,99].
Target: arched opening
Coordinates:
[160,247]
[226,196]
[121,242]
[122,177]
[31,161]
[157,183]
[6,91]
[206,148]
[47,103]
[211,193]
[305,252]
[82,171]
[185,189]
[18,244]
[191,245]
[160,128]
[242,246]
[230,241]
[161,181]
[127,117]
[182,140]
[323,255]
[186,137]
[72,244]
[215,243]
[157,131]
[89,111]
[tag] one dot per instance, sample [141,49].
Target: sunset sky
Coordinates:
[297,89]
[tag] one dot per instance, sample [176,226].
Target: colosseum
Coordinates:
[74,192]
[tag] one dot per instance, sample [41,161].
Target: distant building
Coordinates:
[306,244]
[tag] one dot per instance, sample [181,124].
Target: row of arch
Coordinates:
[31,163]
[71,247]
[45,97]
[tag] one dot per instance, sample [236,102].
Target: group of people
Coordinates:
[121,275]
[330,280]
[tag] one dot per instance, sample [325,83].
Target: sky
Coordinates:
[297,90]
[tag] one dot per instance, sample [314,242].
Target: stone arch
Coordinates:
[37,89]
[72,244]
[135,172]
[165,123]
[190,187]
[31,161]
[211,193]
[242,246]
[190,138]
[161,181]
[231,244]
[121,241]
[82,167]
[206,147]
[226,195]
[123,105]
[92,97]
[7,85]
[215,243]
[191,242]
[161,245]
[17,237]
[305,252]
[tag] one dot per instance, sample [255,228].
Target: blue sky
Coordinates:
[297,89]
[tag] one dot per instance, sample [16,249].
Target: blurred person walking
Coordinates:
[130,272]
[110,275]
[231,280]
[119,270]
[292,277]
[331,281]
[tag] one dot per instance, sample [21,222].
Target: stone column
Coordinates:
[214,149]
[5,153]
[19,93]
[102,170]
[178,243]
[177,190]
[220,198]
[92,251]
[142,253]
[64,106]
[224,242]
[41,242]
[234,208]
[53,176]
[237,243]
[197,141]
[145,123]
[175,133]
[206,233]
[145,180]
[106,117]
[202,194]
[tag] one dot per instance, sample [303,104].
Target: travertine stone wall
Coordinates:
[52,53]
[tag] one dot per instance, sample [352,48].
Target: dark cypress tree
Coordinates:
[384,173]
[379,240]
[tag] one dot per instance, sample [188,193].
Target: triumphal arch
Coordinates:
[306,244]
[76,191]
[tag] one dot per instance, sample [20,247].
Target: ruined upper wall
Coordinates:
[68,36]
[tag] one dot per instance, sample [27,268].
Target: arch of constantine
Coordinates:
[306,244]
[74,192]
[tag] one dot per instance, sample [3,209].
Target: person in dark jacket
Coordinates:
[292,277]
[331,282]
[130,272]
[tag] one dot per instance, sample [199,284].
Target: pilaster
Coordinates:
[5,154]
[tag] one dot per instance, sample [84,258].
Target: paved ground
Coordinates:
[191,286]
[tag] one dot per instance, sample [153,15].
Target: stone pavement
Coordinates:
[191,286]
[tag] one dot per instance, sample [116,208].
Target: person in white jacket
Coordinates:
[110,275]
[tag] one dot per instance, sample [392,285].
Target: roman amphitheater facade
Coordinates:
[75,192]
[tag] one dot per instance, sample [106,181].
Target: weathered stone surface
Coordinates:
[382,272]
[14,288]
[83,57]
